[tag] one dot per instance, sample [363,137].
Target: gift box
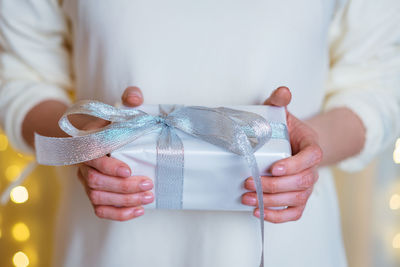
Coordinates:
[213,177]
[198,157]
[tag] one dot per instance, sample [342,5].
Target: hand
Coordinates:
[114,193]
[292,178]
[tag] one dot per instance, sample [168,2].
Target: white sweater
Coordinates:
[208,52]
[364,61]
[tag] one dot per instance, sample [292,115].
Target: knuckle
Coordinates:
[306,181]
[105,166]
[122,216]
[316,176]
[125,186]
[93,196]
[92,179]
[298,214]
[302,197]
[129,200]
[277,218]
[99,212]
[272,185]
[318,154]
[267,199]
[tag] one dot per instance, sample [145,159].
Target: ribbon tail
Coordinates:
[169,170]
[251,161]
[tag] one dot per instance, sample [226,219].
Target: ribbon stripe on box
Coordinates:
[237,131]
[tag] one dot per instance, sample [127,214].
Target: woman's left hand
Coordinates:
[293,178]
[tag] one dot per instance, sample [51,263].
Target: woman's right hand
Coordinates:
[115,193]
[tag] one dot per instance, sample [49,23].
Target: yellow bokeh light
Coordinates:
[20,259]
[12,172]
[0,233]
[395,202]
[397,143]
[396,155]
[20,232]
[3,142]
[396,241]
[32,255]
[19,194]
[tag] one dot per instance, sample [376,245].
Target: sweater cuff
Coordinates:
[32,96]
[373,129]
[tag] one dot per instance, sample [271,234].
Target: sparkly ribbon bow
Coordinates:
[237,131]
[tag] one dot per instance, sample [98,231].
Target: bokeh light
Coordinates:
[0,233]
[3,142]
[20,259]
[31,252]
[12,172]
[395,202]
[20,232]
[19,194]
[397,143]
[396,155]
[396,241]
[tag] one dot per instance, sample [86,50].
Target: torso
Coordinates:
[205,53]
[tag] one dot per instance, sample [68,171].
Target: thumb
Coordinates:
[132,97]
[280,97]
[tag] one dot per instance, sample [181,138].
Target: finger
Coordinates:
[291,183]
[280,97]
[281,216]
[120,200]
[309,156]
[118,214]
[110,166]
[98,181]
[278,200]
[132,97]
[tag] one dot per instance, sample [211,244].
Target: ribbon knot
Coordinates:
[160,119]
[237,131]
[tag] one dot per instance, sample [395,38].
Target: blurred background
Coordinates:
[369,201]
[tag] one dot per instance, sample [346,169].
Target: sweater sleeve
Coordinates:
[365,72]
[34,61]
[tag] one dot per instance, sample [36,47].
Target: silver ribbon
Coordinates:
[237,131]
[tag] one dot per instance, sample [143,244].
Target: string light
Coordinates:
[3,142]
[20,259]
[19,194]
[12,172]
[396,241]
[20,232]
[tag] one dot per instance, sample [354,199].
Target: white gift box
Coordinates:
[213,177]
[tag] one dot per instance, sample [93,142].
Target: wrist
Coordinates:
[43,119]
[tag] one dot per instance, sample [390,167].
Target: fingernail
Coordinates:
[123,172]
[250,200]
[257,213]
[134,94]
[139,212]
[147,198]
[278,170]
[250,183]
[146,185]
